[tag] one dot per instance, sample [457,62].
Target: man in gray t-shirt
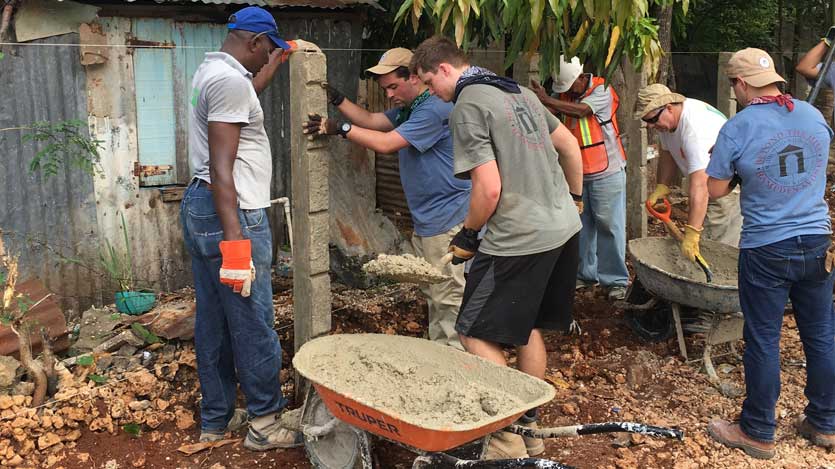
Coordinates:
[228,236]
[525,167]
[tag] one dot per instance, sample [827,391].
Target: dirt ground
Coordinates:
[604,374]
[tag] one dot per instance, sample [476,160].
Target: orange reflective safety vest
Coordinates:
[589,132]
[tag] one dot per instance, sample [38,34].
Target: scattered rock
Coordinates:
[96,327]
[8,370]
[123,338]
[14,461]
[570,408]
[140,405]
[24,388]
[48,439]
[183,418]
[112,464]
[621,440]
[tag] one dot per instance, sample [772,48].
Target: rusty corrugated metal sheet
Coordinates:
[42,219]
[44,313]
[328,4]
[390,196]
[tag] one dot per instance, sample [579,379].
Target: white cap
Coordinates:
[569,71]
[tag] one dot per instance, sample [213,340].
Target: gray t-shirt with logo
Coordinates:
[535,212]
[222,91]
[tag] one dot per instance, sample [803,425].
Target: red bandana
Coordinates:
[781,100]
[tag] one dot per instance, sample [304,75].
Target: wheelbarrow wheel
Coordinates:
[344,447]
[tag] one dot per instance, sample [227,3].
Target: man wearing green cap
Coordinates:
[227,234]
[417,128]
[687,130]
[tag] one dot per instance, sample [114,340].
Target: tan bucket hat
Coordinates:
[653,97]
[391,60]
[755,66]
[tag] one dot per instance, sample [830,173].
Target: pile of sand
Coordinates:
[406,268]
[419,381]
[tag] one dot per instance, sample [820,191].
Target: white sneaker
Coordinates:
[266,433]
[239,420]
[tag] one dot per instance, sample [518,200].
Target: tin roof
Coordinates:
[327,4]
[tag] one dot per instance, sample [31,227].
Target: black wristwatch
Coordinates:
[344,128]
[577,198]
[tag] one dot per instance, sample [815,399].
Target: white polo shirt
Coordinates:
[222,91]
[694,137]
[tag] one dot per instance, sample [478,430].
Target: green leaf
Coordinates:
[98,379]
[537,7]
[143,332]
[132,429]
[2,56]
[84,360]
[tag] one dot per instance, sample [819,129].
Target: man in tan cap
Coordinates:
[687,129]
[778,148]
[417,128]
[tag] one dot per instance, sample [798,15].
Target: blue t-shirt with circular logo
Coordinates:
[781,159]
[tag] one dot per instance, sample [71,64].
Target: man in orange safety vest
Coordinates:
[588,107]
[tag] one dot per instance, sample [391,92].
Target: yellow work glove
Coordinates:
[690,243]
[659,193]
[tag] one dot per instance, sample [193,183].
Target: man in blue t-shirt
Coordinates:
[777,149]
[418,129]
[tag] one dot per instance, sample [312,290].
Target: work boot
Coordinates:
[581,284]
[505,445]
[617,293]
[732,436]
[238,421]
[806,430]
[266,433]
[535,446]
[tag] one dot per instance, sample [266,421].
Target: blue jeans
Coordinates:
[231,333]
[769,276]
[603,237]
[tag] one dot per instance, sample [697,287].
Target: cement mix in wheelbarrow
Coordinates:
[418,381]
[667,256]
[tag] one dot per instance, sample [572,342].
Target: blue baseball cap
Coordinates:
[257,20]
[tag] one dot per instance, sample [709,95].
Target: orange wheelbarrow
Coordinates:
[340,421]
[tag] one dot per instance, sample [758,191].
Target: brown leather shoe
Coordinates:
[730,435]
[806,430]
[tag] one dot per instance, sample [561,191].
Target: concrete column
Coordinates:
[309,169]
[636,154]
[725,98]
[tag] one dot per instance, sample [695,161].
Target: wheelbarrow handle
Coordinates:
[595,428]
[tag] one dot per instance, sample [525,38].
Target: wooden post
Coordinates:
[725,98]
[309,169]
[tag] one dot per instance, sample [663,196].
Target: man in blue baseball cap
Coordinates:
[227,233]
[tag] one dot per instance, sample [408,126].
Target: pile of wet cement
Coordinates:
[418,381]
[665,254]
[405,268]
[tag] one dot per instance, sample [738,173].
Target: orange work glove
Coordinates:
[237,269]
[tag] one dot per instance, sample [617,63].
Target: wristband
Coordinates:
[577,198]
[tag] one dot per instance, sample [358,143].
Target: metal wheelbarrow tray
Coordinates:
[663,272]
[421,395]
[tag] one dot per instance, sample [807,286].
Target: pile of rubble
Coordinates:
[120,378]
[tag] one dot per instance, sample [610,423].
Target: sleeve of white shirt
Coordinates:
[228,99]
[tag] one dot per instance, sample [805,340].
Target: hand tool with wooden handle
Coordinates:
[664,216]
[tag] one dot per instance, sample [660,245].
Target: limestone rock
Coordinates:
[48,439]
[8,370]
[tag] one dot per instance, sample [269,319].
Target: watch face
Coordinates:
[346,127]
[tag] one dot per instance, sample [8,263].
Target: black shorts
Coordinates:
[506,297]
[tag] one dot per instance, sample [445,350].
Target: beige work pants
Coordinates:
[723,221]
[443,299]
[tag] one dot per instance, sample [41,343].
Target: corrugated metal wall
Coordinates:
[45,84]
